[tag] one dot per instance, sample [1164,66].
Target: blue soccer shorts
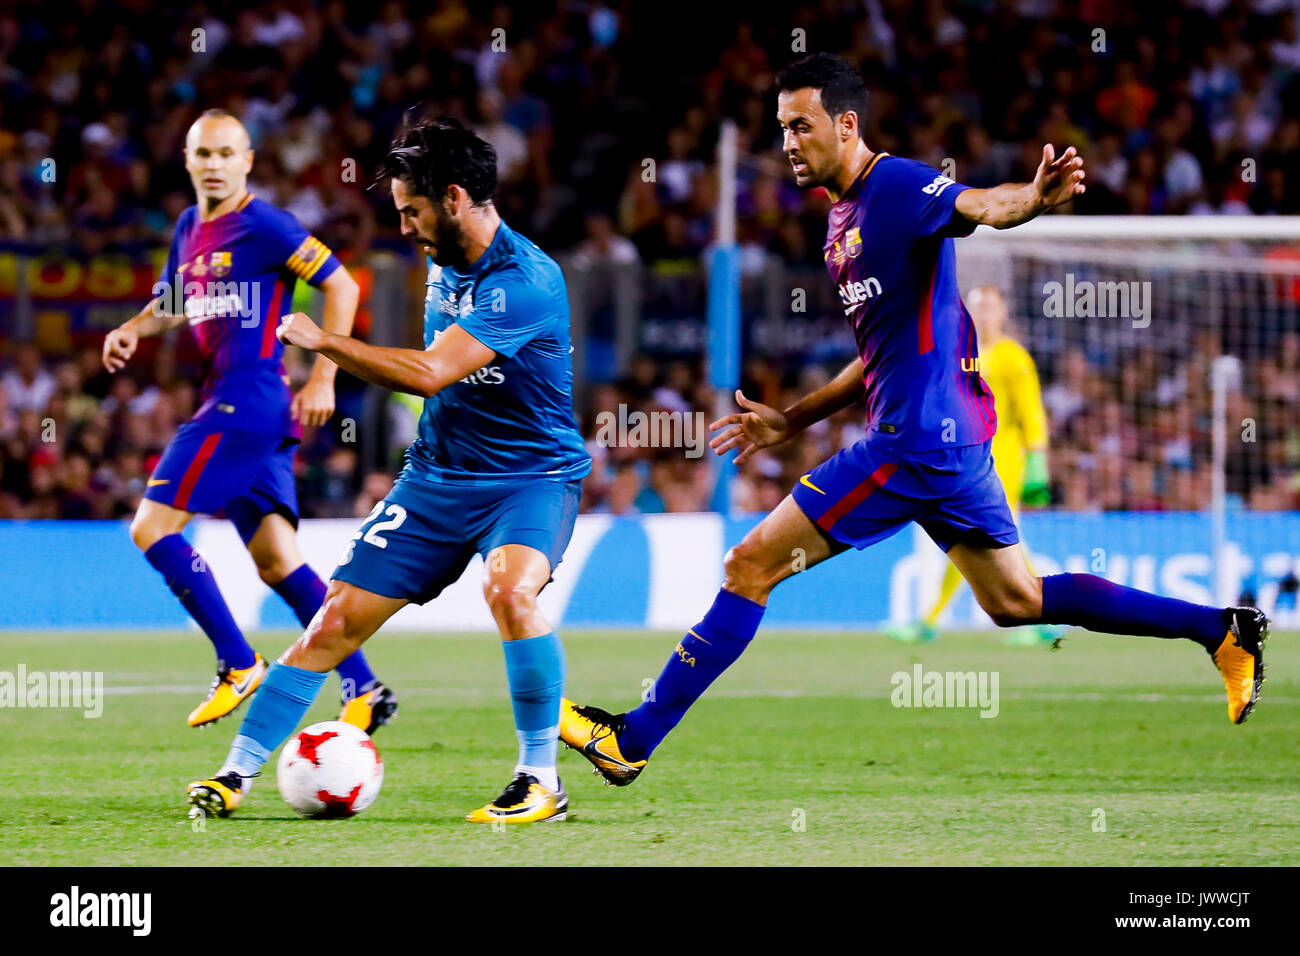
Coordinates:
[864,494]
[421,537]
[227,472]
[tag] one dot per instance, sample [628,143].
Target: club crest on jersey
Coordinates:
[853,242]
[218,264]
[449,305]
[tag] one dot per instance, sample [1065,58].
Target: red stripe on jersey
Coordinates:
[271,320]
[925,323]
[966,388]
[195,470]
[857,496]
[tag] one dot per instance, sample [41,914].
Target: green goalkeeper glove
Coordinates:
[1037,487]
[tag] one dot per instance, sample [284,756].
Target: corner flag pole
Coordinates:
[724,308]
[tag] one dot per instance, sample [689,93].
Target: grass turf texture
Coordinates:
[796,757]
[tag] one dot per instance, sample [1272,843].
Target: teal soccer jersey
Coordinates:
[498,460]
[513,418]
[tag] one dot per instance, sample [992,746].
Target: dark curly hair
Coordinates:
[432,154]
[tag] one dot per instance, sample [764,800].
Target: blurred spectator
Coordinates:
[576,102]
[28,386]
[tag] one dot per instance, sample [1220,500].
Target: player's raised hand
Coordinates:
[761,426]
[119,346]
[314,403]
[298,329]
[1059,180]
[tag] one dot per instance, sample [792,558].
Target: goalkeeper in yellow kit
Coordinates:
[1019,446]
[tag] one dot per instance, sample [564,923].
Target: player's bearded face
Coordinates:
[808,137]
[430,224]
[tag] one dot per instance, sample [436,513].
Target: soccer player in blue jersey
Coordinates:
[233,264]
[496,468]
[930,419]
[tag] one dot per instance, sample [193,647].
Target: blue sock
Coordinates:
[1093,602]
[535,671]
[707,650]
[276,709]
[304,591]
[192,581]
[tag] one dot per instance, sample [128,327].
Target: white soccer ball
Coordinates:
[330,769]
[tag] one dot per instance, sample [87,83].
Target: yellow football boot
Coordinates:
[1240,659]
[526,800]
[370,710]
[594,733]
[230,688]
[217,796]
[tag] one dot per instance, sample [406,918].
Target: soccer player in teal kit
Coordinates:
[233,264]
[930,419]
[496,469]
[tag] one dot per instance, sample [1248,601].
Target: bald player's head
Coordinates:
[988,310]
[218,156]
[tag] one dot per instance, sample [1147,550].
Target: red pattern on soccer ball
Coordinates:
[307,744]
[336,806]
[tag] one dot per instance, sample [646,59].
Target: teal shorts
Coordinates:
[420,538]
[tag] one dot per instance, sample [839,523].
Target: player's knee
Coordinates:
[272,569]
[334,627]
[144,533]
[744,571]
[511,602]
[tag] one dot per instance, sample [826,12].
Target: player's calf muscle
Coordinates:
[1013,610]
[1002,583]
[1011,603]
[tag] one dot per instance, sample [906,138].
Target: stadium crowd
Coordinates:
[1190,107]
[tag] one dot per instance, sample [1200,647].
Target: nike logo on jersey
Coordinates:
[158,481]
[803,480]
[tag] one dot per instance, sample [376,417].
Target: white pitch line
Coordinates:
[741,694]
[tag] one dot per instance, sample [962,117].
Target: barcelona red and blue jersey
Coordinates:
[233,277]
[889,250]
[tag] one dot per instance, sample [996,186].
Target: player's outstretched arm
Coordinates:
[314,403]
[120,344]
[426,372]
[762,426]
[1057,181]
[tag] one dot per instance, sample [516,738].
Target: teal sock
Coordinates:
[535,671]
[277,708]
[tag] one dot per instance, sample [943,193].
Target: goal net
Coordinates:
[1169,355]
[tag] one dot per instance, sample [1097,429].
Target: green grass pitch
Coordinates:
[1112,751]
